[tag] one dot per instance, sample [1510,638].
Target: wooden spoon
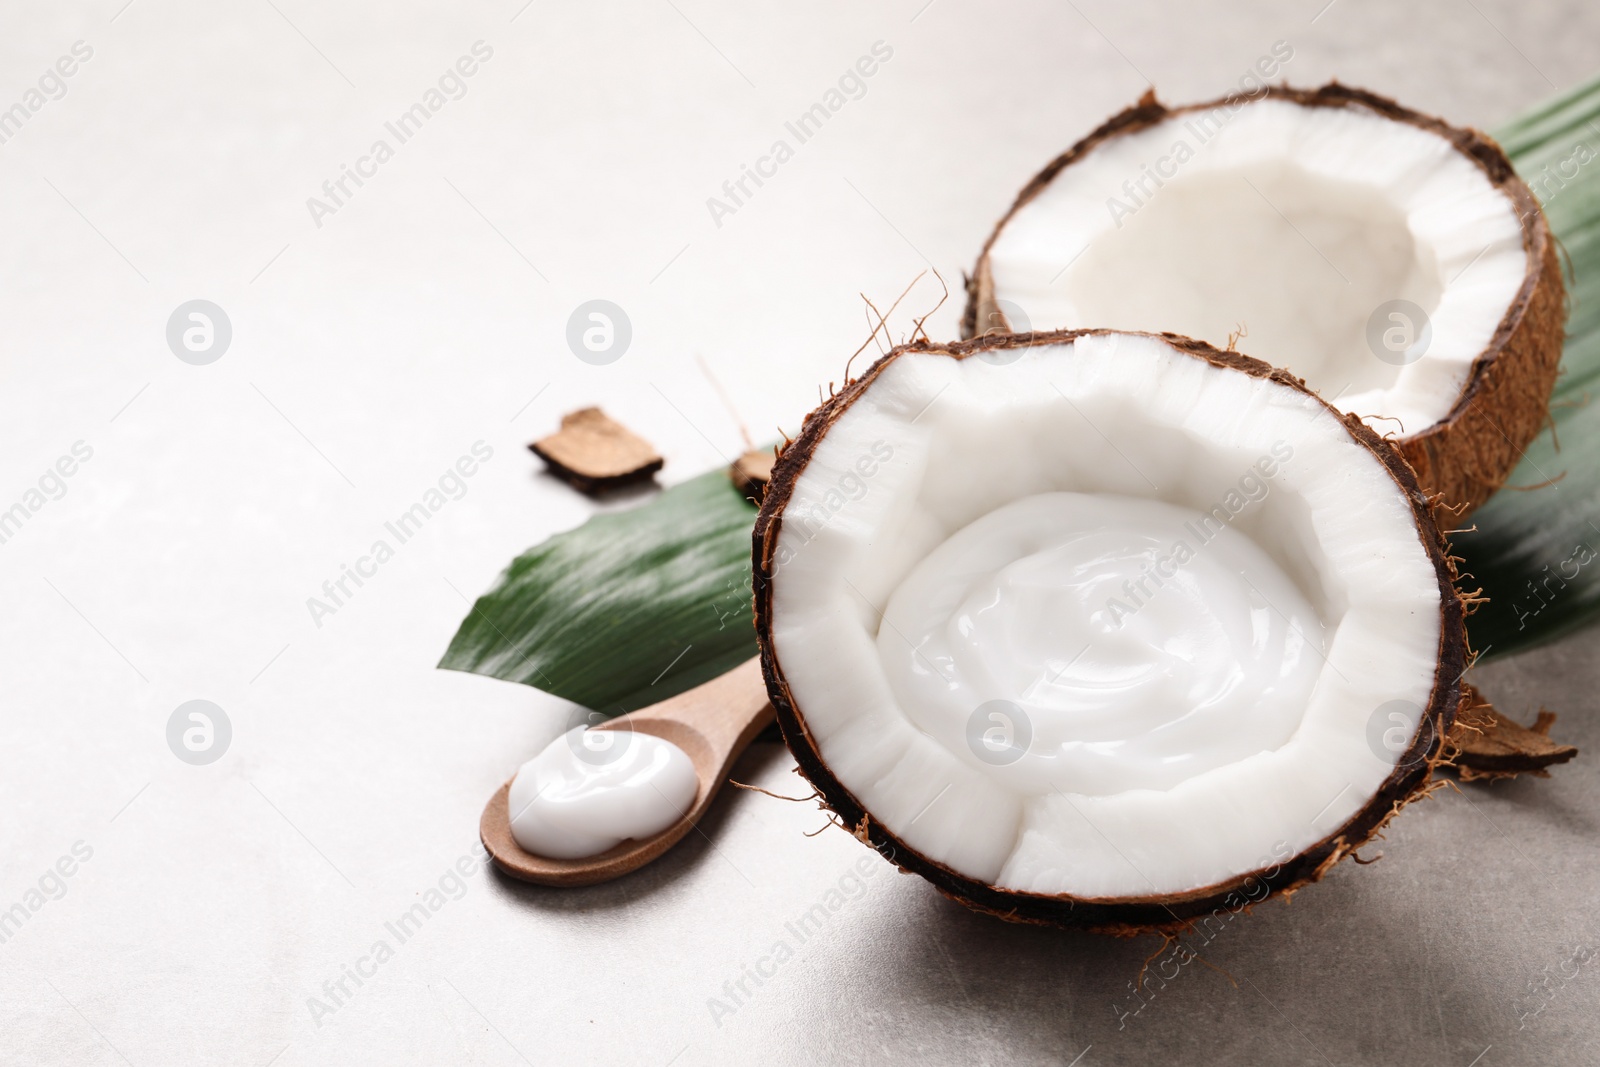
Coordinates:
[712,723]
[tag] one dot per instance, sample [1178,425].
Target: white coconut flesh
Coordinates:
[1301,225]
[960,536]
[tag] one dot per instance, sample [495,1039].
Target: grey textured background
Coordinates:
[429,313]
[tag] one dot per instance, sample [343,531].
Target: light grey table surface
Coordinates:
[374,344]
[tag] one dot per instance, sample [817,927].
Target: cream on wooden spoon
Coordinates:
[591,790]
[580,795]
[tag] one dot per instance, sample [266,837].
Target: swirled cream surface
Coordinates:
[590,790]
[1096,643]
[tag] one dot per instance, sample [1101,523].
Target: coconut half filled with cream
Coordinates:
[1103,629]
[1393,261]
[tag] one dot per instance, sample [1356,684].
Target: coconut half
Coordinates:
[995,664]
[1393,261]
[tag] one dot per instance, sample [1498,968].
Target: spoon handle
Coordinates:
[728,711]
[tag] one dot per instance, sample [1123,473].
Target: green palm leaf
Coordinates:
[630,608]
[1534,552]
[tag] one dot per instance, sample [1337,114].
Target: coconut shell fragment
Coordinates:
[1485,745]
[594,453]
[751,472]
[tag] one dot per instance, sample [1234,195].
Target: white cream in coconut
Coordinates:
[1096,643]
[1300,225]
[961,536]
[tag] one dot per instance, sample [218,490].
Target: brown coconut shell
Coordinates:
[594,453]
[1469,453]
[751,472]
[1486,745]
[1117,915]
